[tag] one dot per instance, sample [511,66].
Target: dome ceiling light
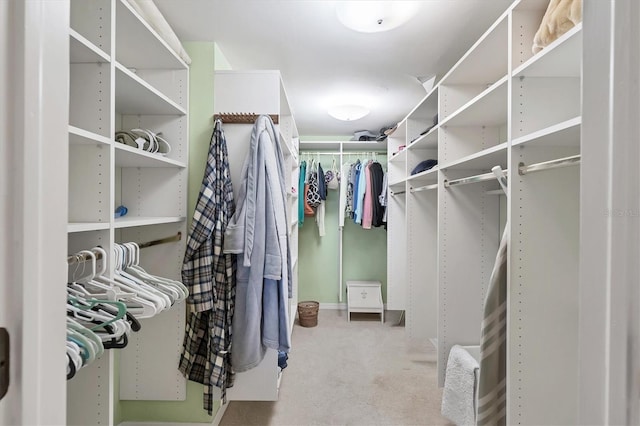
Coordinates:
[348,112]
[375,16]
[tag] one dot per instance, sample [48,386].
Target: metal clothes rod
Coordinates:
[347,153]
[242,117]
[83,257]
[472,179]
[548,165]
[424,188]
[170,239]
[393,193]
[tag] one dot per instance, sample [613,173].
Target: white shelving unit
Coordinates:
[261,92]
[499,105]
[123,76]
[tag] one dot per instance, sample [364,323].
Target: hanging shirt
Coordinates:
[367,205]
[210,276]
[358,197]
[350,189]
[377,187]
[344,182]
[322,185]
[301,192]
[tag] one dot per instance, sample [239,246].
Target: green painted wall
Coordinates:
[200,127]
[364,252]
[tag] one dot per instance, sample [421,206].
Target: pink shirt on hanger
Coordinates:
[367,207]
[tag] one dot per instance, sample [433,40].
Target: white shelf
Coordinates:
[427,141]
[562,58]
[489,108]
[82,51]
[427,107]
[131,221]
[483,160]
[566,133]
[128,156]
[86,226]
[135,96]
[138,45]
[486,61]
[424,178]
[397,185]
[398,156]
[79,136]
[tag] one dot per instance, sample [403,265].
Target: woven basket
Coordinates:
[308,313]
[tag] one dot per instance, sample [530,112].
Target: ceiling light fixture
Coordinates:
[348,112]
[375,16]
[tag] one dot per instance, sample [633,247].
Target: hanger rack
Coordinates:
[242,117]
[424,188]
[547,165]
[472,179]
[77,258]
[394,193]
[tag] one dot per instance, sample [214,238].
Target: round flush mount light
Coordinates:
[348,112]
[375,16]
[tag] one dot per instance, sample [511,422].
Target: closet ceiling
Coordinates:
[322,60]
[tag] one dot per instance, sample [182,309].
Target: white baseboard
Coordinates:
[162,424]
[334,306]
[339,306]
[218,418]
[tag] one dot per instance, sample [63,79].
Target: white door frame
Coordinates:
[34,75]
[610,215]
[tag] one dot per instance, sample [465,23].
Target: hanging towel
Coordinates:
[492,392]
[458,396]
[210,276]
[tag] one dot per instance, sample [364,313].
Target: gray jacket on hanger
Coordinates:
[258,233]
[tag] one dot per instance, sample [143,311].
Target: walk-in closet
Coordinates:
[281,212]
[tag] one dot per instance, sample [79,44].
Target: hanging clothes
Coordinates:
[358,196]
[351,187]
[384,196]
[344,182]
[210,277]
[377,190]
[492,385]
[367,204]
[259,233]
[302,195]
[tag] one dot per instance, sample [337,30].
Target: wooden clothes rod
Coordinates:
[242,118]
[83,257]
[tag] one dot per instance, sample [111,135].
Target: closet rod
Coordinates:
[83,257]
[547,165]
[242,117]
[303,152]
[393,193]
[170,239]
[424,188]
[472,179]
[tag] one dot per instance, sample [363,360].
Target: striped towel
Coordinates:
[492,386]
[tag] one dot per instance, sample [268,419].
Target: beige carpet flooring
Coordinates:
[356,373]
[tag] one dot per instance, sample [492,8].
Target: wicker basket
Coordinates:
[308,313]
